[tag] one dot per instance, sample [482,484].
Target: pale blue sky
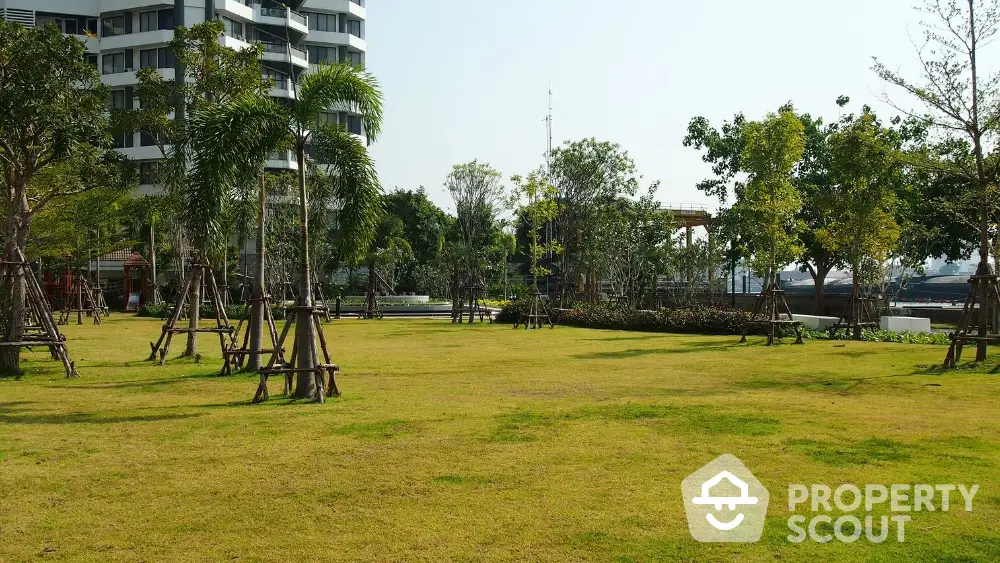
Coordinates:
[467,79]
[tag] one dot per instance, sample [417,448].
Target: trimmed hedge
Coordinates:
[700,320]
[234,312]
[938,338]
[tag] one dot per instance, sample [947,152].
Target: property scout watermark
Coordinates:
[724,502]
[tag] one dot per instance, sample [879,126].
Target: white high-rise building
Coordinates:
[123,36]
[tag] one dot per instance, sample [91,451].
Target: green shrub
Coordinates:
[939,338]
[701,320]
[150,310]
[234,312]
[511,311]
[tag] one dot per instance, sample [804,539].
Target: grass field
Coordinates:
[479,443]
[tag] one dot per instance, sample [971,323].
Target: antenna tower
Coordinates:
[548,131]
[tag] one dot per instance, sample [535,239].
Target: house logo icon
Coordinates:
[724,502]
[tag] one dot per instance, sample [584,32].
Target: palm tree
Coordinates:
[230,145]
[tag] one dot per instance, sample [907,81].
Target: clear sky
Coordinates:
[468,79]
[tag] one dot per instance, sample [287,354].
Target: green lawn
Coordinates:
[479,443]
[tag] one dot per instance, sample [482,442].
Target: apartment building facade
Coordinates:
[123,36]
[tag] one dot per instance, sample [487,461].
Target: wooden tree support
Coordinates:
[222,325]
[536,315]
[32,317]
[279,365]
[47,332]
[235,358]
[371,309]
[287,291]
[80,300]
[471,303]
[978,323]
[768,313]
[320,300]
[99,301]
[861,315]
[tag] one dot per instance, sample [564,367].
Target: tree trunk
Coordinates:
[819,281]
[12,311]
[13,316]
[855,305]
[152,262]
[254,360]
[305,332]
[194,312]
[225,276]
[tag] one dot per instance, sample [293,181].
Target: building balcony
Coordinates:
[235,9]
[283,88]
[121,5]
[282,17]
[237,42]
[148,190]
[133,40]
[334,38]
[283,53]
[93,43]
[352,7]
[129,78]
[282,161]
[142,153]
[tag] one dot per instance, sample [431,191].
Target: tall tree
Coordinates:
[538,209]
[636,239]
[388,253]
[723,149]
[769,202]
[866,178]
[217,74]
[226,137]
[52,114]
[423,227]
[815,186]
[588,175]
[480,198]
[958,102]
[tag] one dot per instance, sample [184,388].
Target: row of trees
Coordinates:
[793,189]
[863,194]
[215,132]
[576,220]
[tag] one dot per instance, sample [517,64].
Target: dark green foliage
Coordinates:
[512,311]
[234,312]
[939,338]
[154,311]
[699,320]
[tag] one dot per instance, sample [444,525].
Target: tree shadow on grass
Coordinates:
[842,386]
[620,338]
[400,333]
[28,417]
[139,383]
[990,367]
[10,405]
[36,367]
[639,352]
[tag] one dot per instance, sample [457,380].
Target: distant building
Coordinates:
[123,36]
